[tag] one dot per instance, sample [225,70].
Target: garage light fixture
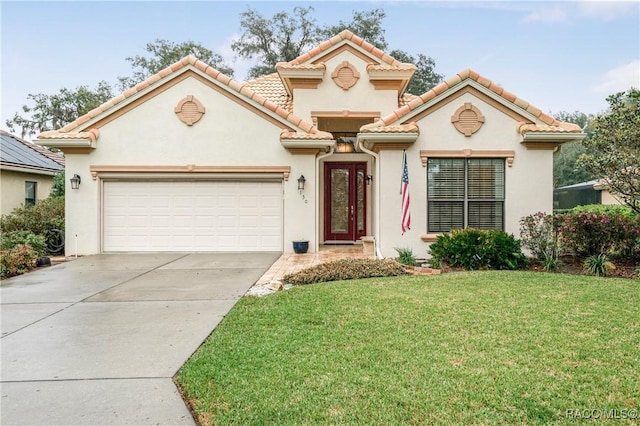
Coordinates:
[75,181]
[301,181]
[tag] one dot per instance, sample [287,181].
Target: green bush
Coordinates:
[18,260]
[9,240]
[37,219]
[614,209]
[406,257]
[478,249]
[613,231]
[346,269]
[598,265]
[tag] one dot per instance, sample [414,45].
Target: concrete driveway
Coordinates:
[97,340]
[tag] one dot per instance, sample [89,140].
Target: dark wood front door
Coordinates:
[345,203]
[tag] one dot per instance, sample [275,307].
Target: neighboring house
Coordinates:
[584,193]
[190,160]
[26,171]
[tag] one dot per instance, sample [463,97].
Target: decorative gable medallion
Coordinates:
[189,110]
[467,119]
[345,75]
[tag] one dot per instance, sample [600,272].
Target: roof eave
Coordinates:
[21,168]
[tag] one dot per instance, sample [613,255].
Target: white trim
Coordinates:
[27,169]
[552,136]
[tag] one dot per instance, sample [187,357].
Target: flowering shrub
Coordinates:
[539,234]
[587,233]
[17,260]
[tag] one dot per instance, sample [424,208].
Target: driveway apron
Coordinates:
[98,340]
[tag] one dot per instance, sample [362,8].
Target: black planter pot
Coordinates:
[300,246]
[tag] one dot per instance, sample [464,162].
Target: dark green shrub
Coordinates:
[478,249]
[9,240]
[46,214]
[406,257]
[346,269]
[16,261]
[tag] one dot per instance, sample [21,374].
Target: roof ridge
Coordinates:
[467,74]
[242,88]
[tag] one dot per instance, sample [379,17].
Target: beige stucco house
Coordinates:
[191,160]
[26,172]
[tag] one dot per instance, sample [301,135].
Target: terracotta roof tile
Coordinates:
[287,135]
[288,66]
[92,135]
[550,124]
[561,127]
[411,127]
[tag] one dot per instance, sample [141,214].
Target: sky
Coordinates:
[559,56]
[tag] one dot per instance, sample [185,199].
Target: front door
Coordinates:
[344,201]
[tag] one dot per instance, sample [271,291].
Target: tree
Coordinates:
[566,169]
[285,37]
[163,54]
[57,188]
[279,39]
[54,111]
[425,78]
[612,153]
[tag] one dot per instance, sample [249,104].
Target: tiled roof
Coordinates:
[92,135]
[290,66]
[243,89]
[398,128]
[346,35]
[270,86]
[286,135]
[397,67]
[18,152]
[458,79]
[562,127]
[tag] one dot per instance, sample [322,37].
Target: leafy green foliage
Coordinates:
[612,152]
[50,112]
[478,249]
[163,53]
[566,169]
[37,219]
[406,257]
[345,269]
[425,77]
[57,189]
[9,240]
[598,265]
[18,260]
[366,24]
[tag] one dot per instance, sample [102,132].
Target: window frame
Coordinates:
[27,200]
[467,198]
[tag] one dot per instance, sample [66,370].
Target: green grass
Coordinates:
[459,348]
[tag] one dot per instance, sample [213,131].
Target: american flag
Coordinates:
[406,200]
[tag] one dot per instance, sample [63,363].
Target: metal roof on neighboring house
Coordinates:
[17,152]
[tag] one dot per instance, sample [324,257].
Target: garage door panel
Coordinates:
[192,216]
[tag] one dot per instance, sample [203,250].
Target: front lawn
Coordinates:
[459,348]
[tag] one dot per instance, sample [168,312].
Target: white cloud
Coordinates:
[549,14]
[620,78]
[605,10]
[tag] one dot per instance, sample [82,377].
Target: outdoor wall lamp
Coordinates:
[75,181]
[301,181]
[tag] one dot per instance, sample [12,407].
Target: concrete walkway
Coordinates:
[99,339]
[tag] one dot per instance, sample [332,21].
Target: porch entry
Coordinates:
[345,204]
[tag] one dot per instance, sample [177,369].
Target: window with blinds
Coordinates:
[465,193]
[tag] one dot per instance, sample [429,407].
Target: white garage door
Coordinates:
[192,216]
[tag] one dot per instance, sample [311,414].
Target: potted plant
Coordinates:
[300,246]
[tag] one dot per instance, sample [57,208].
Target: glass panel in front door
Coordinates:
[339,201]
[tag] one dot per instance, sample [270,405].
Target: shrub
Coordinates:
[346,269]
[539,234]
[477,249]
[9,240]
[614,232]
[406,257]
[18,260]
[598,265]
[37,219]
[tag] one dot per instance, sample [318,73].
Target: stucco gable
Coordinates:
[85,128]
[528,117]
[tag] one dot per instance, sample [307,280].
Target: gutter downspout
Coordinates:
[376,208]
[316,219]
